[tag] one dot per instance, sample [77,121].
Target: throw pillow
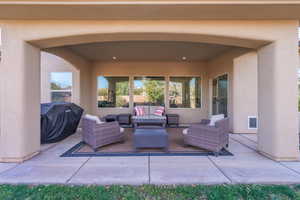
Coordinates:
[215,118]
[139,111]
[159,111]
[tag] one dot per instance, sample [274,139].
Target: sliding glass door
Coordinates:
[220,95]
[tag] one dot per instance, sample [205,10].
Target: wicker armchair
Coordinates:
[98,135]
[213,138]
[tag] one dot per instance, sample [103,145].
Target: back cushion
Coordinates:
[139,111]
[215,118]
[159,111]
[94,118]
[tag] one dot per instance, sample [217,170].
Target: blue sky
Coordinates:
[62,78]
[102,83]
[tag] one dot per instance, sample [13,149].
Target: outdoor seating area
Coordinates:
[150,134]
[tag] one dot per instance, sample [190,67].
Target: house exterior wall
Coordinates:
[244,92]
[275,41]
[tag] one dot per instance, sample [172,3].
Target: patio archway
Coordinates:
[278,124]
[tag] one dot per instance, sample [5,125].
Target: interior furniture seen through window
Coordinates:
[61,86]
[113,91]
[149,91]
[185,92]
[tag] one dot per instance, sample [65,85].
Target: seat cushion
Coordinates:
[215,118]
[185,131]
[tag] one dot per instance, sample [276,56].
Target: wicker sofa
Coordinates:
[100,134]
[149,118]
[213,138]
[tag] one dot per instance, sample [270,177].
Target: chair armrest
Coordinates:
[108,124]
[205,121]
[199,130]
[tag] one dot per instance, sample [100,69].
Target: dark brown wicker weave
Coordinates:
[98,135]
[213,138]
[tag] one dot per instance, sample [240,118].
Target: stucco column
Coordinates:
[20,98]
[277,98]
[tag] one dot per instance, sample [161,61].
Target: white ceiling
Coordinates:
[149,50]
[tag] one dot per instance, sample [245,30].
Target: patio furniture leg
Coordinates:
[185,145]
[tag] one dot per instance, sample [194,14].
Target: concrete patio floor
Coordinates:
[246,166]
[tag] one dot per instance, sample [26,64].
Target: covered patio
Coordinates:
[257,59]
[246,166]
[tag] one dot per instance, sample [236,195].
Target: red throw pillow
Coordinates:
[159,111]
[139,111]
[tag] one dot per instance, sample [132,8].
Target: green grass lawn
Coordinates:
[149,192]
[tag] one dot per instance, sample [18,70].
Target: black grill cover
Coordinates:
[58,121]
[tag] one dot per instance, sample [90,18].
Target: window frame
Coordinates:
[201,95]
[165,79]
[129,91]
[166,91]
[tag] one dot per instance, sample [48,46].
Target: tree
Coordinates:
[55,86]
[122,88]
[103,92]
[155,91]
[138,91]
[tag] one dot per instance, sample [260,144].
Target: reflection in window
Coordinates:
[61,86]
[185,92]
[113,91]
[149,91]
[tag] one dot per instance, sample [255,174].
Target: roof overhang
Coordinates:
[154,9]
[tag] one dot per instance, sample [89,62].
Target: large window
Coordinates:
[61,86]
[185,92]
[149,91]
[113,91]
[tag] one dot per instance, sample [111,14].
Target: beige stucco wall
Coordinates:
[151,68]
[244,92]
[275,42]
[52,63]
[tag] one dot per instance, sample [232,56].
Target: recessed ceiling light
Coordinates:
[183,58]
[114,58]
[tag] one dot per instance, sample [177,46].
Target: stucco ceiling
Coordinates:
[149,50]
